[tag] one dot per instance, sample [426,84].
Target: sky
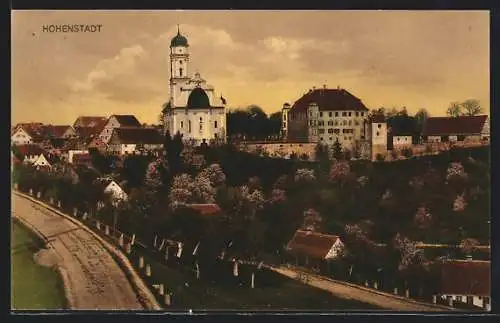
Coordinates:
[416,59]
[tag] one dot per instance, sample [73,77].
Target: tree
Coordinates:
[421,117]
[172,152]
[471,107]
[312,221]
[454,110]
[337,150]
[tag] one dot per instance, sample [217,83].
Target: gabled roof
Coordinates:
[312,244]
[205,209]
[138,136]
[329,100]
[127,120]
[466,125]
[91,121]
[30,150]
[33,128]
[87,132]
[465,277]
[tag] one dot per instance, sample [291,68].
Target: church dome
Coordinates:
[198,99]
[179,40]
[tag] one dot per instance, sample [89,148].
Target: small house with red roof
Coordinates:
[29,153]
[466,281]
[456,129]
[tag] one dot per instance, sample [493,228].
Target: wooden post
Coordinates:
[98,225]
[168,299]
[166,252]
[395,290]
[106,230]
[128,248]
[161,291]
[120,241]
[375,285]
[141,262]
[148,270]
[253,280]
[39,195]
[75,212]
[59,204]
[31,191]
[154,242]
[51,200]
[450,301]
[197,271]
[85,215]
[434,299]
[235,268]
[133,239]
[366,283]
[407,294]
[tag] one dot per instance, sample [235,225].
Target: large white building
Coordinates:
[193,109]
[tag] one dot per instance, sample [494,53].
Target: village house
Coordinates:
[89,122]
[315,249]
[45,161]
[88,127]
[20,136]
[111,188]
[73,152]
[125,141]
[82,160]
[116,122]
[97,144]
[29,153]
[457,129]
[466,281]
[57,131]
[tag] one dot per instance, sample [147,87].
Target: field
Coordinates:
[34,287]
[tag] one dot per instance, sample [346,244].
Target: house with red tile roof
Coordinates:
[89,122]
[456,129]
[315,248]
[20,136]
[29,153]
[125,141]
[118,121]
[58,131]
[466,281]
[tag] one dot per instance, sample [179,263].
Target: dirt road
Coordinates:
[93,279]
[366,295]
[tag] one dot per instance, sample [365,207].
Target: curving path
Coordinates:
[92,278]
[351,291]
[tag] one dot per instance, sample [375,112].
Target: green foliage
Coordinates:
[337,150]
[134,169]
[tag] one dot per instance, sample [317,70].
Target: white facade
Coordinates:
[335,250]
[401,141]
[31,158]
[72,153]
[199,123]
[478,301]
[116,192]
[21,137]
[107,131]
[41,161]
[284,119]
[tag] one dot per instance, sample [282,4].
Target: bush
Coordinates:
[407,152]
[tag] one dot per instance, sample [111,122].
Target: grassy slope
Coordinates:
[33,286]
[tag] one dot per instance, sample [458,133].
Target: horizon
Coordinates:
[424,59]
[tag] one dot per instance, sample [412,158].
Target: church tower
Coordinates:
[179,61]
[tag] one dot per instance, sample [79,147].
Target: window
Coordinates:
[284,124]
[336,131]
[180,62]
[180,72]
[310,114]
[330,123]
[378,133]
[321,123]
[357,114]
[330,138]
[321,131]
[189,125]
[330,130]
[215,124]
[336,123]
[350,122]
[321,114]
[379,126]
[344,123]
[182,124]
[362,114]
[336,114]
[330,114]
[344,114]
[321,138]
[349,114]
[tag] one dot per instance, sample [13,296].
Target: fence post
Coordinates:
[148,270]
[85,215]
[253,280]
[133,240]
[128,248]
[434,299]
[155,240]
[366,283]
[161,291]
[407,293]
[31,191]
[98,225]
[59,204]
[75,212]
[168,299]
[39,195]
[106,230]
[141,262]
[450,301]
[120,241]
[51,200]
[375,285]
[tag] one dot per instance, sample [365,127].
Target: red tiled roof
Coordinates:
[312,244]
[137,136]
[205,209]
[54,131]
[466,125]
[329,99]
[32,128]
[463,277]
[90,121]
[30,150]
[127,120]
[86,132]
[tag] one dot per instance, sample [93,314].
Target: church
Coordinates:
[193,109]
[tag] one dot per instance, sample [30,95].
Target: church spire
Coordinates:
[178,30]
